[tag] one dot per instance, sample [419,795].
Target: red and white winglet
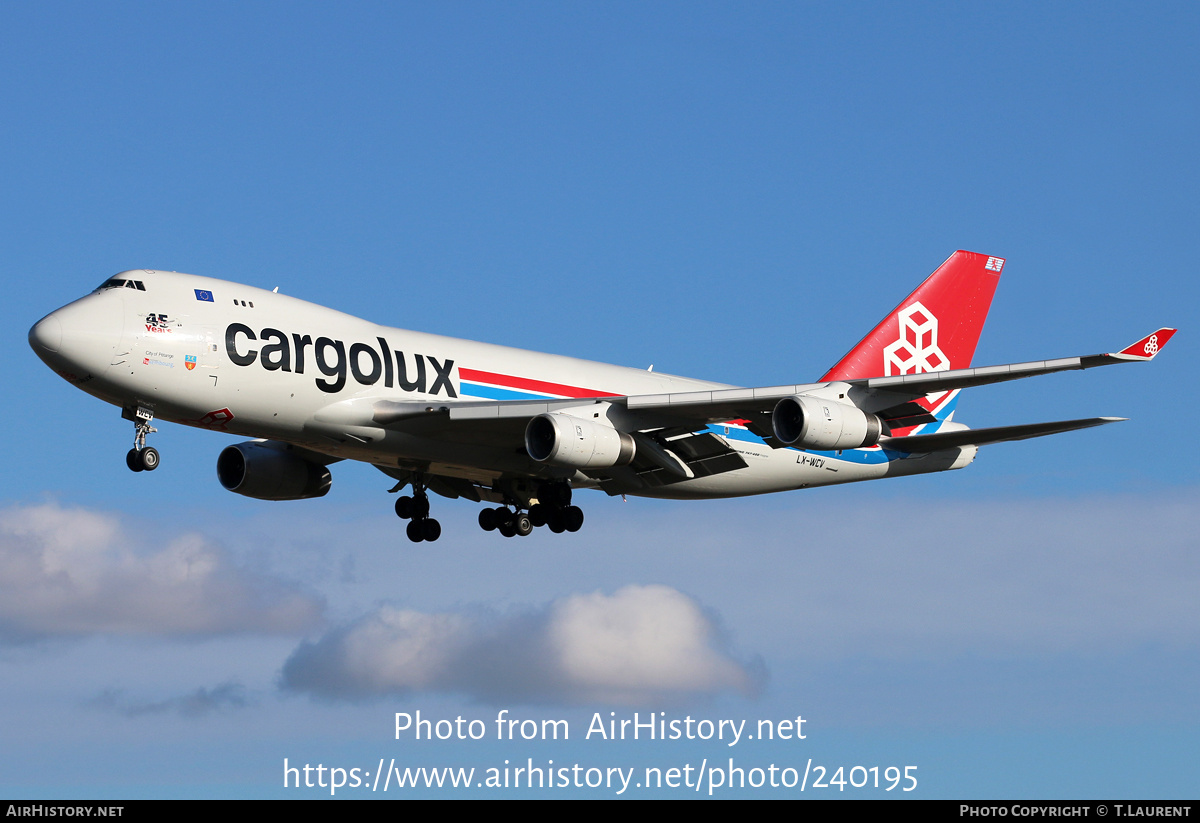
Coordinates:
[1147,347]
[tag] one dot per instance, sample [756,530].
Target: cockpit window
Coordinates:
[119,283]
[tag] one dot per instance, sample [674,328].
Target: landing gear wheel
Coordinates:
[415,531]
[522,525]
[537,514]
[556,521]
[404,508]
[557,495]
[507,529]
[573,518]
[415,509]
[150,459]
[487,520]
[141,458]
[431,530]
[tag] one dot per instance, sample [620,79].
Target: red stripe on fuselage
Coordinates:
[510,382]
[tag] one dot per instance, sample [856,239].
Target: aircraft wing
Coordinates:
[695,409]
[981,437]
[875,394]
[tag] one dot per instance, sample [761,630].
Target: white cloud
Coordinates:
[1092,575]
[73,572]
[641,638]
[640,643]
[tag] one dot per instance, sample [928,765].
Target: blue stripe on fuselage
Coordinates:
[496,393]
[864,456]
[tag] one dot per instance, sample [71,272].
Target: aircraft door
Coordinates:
[200,353]
[209,356]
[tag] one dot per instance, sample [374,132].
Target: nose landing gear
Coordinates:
[141,458]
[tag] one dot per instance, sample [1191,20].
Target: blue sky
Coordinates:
[726,193]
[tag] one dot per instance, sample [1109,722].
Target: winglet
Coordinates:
[1147,347]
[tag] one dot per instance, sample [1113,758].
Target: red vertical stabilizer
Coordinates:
[933,329]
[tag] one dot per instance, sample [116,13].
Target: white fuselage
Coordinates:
[215,354]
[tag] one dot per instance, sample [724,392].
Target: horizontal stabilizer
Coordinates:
[982,437]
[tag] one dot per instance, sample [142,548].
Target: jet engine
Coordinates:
[268,471]
[815,423]
[564,440]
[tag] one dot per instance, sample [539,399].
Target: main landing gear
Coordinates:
[142,458]
[553,510]
[415,509]
[508,523]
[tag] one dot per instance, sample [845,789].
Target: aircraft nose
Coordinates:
[46,334]
[80,337]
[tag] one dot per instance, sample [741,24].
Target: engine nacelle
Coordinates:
[267,472]
[564,440]
[814,423]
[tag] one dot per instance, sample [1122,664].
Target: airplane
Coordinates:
[520,430]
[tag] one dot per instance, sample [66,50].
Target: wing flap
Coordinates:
[686,457]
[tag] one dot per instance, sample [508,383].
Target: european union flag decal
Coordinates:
[203,296]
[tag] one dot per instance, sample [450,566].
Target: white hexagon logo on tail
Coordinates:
[916,350]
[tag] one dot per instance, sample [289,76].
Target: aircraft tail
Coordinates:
[933,329]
